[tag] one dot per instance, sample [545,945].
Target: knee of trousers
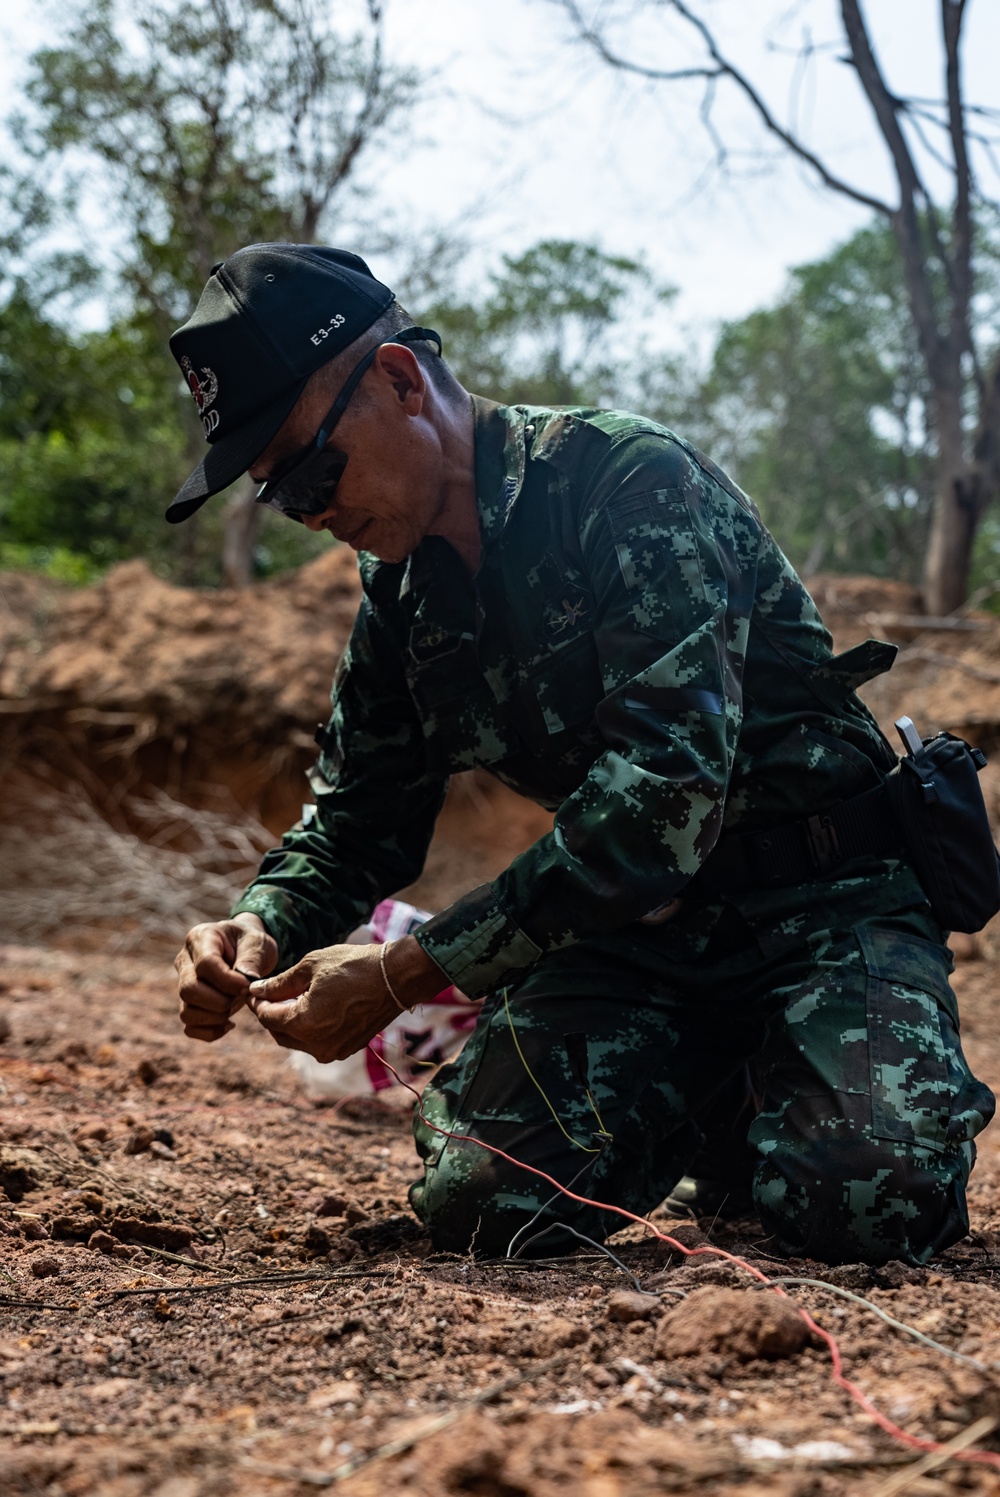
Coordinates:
[471,1201]
[864,1200]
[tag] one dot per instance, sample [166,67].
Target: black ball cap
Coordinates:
[269,317]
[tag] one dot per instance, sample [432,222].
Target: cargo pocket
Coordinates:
[915,1058]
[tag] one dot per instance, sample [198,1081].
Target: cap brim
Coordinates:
[230,456]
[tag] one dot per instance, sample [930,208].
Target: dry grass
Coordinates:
[64,868]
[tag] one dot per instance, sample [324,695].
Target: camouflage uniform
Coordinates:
[637,655]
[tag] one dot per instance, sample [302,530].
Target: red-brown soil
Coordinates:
[309,1338]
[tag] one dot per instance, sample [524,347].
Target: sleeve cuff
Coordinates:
[277,911]
[477,945]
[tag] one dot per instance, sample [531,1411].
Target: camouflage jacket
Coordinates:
[635,654]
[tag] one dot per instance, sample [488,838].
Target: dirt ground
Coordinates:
[303,1334]
[210,1285]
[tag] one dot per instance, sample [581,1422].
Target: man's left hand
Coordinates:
[332,1002]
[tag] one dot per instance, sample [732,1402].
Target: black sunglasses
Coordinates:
[306,484]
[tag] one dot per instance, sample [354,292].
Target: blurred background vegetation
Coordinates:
[208,127]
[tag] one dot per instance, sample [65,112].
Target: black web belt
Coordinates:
[799,851]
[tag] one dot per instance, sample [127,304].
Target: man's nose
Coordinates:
[313,522]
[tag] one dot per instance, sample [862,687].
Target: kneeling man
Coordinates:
[583,604]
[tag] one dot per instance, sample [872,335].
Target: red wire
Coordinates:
[915,1442]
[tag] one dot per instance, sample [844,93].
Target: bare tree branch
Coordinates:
[952,16]
[723,67]
[906,219]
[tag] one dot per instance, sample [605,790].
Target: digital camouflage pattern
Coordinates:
[864,1138]
[637,655]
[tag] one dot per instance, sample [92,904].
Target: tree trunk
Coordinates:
[242,525]
[965,490]
[953,530]
[957,507]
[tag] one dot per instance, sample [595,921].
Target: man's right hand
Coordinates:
[210,986]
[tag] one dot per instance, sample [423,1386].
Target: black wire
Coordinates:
[563,1227]
[546,1204]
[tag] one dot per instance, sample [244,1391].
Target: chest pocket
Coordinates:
[441,666]
[462,723]
[561,690]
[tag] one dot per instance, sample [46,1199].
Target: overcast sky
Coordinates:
[527,125]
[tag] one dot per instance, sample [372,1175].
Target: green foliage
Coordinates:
[207,127]
[89,433]
[818,406]
[545,330]
[191,130]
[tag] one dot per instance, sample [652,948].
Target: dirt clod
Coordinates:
[627,1305]
[744,1324]
[553,1335]
[170,1236]
[330,1205]
[688,1234]
[101,1242]
[19,1172]
[44,1265]
[138,1141]
[316,1240]
[73,1227]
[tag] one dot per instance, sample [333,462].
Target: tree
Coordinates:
[818,405]
[546,331]
[205,127]
[936,241]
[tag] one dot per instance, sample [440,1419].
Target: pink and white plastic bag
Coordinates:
[414,1044]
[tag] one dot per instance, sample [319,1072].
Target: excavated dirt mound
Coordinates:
[147,683]
[143,701]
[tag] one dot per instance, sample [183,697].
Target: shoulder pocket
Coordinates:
[659,559]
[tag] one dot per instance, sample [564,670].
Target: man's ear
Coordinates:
[399,365]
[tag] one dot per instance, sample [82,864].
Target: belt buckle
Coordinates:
[824,845]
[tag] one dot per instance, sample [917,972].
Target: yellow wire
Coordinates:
[575,1141]
[597,1115]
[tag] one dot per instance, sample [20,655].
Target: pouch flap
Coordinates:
[871,658]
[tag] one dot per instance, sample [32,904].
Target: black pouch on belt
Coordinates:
[935,797]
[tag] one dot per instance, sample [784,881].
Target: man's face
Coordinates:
[390,492]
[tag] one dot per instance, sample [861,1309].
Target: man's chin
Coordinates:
[385,551]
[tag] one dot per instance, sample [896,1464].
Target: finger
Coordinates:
[290,984]
[256,954]
[208,1000]
[196,1018]
[276,1015]
[200,1032]
[213,968]
[288,1041]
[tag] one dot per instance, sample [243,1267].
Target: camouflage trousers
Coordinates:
[599,1067]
